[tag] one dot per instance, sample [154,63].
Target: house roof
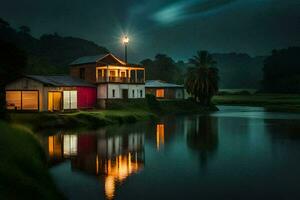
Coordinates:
[105,59]
[60,81]
[161,84]
[87,59]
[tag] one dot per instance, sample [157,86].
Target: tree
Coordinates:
[24,29]
[3,23]
[202,79]
[282,71]
[162,67]
[12,65]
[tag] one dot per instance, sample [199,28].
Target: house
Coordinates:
[111,158]
[164,90]
[114,78]
[50,93]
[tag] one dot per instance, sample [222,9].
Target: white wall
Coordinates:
[137,88]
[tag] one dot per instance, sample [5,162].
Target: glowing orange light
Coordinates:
[160,93]
[160,135]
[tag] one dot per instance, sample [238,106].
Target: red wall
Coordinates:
[86,97]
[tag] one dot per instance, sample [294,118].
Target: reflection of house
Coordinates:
[49,93]
[163,90]
[115,78]
[160,135]
[61,147]
[113,158]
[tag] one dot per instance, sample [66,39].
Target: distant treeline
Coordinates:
[282,71]
[235,70]
[49,54]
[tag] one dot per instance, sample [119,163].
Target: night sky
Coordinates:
[174,27]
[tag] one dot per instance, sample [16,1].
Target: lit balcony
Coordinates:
[120,80]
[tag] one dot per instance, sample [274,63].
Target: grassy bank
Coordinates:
[118,113]
[23,168]
[82,119]
[272,102]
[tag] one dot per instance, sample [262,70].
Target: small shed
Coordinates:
[164,90]
[50,93]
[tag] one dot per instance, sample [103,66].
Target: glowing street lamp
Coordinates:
[125,41]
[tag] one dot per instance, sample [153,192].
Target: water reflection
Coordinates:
[202,137]
[232,146]
[160,135]
[112,158]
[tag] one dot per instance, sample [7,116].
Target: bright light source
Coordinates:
[125,40]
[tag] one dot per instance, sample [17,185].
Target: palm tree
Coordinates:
[202,80]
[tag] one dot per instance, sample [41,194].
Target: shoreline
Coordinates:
[91,119]
[289,103]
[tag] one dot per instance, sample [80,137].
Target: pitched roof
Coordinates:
[60,81]
[161,84]
[87,59]
[100,59]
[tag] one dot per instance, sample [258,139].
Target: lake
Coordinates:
[235,153]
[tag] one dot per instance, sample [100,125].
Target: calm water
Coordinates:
[236,153]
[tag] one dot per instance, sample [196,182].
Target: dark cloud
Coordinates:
[184,9]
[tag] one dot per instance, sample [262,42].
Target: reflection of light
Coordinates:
[160,135]
[54,147]
[109,187]
[70,145]
[97,165]
[119,169]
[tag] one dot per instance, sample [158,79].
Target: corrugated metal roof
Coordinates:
[59,81]
[88,59]
[161,84]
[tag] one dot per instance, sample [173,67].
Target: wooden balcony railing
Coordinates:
[119,80]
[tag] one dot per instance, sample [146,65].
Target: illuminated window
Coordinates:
[30,100]
[13,100]
[54,101]
[112,73]
[70,99]
[123,74]
[160,93]
[22,100]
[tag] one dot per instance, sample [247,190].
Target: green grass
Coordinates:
[272,102]
[118,113]
[23,169]
[82,119]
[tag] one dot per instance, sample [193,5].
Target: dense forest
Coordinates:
[235,70]
[51,53]
[282,71]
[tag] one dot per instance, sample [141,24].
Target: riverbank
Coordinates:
[23,167]
[118,113]
[271,102]
[82,119]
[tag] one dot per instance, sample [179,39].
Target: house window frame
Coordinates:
[21,104]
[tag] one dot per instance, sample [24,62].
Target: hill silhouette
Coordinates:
[51,53]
